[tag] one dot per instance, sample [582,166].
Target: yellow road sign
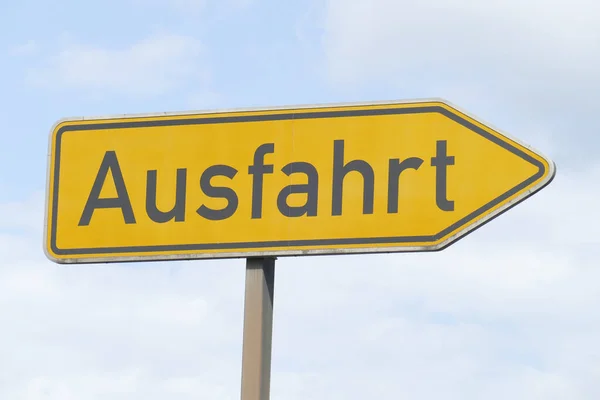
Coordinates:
[350,178]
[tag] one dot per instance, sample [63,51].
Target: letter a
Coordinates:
[109,162]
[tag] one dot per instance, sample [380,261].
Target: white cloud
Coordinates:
[179,5]
[530,55]
[462,36]
[194,6]
[152,66]
[27,215]
[26,49]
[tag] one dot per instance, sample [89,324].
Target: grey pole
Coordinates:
[258,327]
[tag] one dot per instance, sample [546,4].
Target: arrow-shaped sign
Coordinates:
[351,178]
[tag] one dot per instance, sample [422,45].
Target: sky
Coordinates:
[508,312]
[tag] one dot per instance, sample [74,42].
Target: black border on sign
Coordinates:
[276,117]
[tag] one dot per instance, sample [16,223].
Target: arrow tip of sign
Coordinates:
[545,181]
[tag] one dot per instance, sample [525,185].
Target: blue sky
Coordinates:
[509,312]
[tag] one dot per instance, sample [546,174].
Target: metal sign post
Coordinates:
[258,326]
